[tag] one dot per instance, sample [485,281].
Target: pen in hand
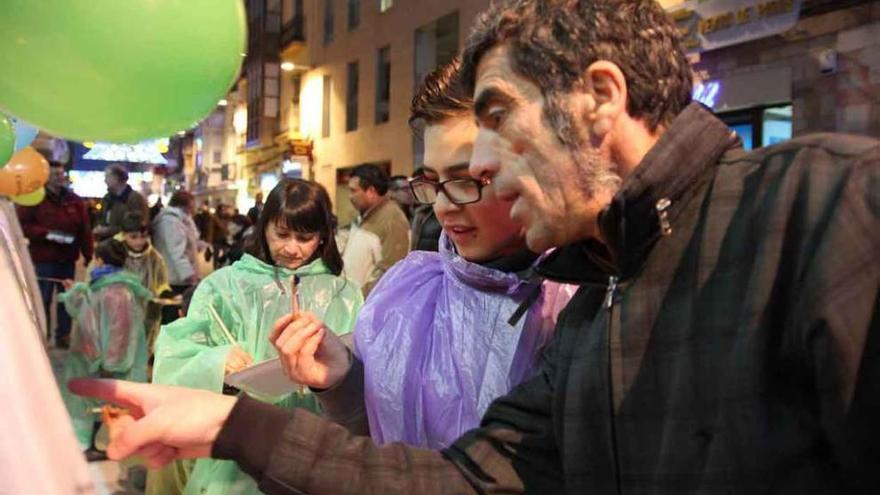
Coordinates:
[294,308]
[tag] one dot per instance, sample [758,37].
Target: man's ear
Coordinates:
[605,97]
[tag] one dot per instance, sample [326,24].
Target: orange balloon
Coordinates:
[26,172]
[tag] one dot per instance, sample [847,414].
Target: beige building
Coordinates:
[351,81]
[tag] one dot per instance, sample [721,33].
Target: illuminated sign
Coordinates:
[145,152]
[707,93]
[90,183]
[710,24]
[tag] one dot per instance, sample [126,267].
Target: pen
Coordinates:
[294,307]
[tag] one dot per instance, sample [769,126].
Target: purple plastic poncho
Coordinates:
[437,347]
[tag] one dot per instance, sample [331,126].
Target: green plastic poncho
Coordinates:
[249,297]
[150,267]
[109,336]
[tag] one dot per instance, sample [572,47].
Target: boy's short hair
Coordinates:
[111,252]
[133,221]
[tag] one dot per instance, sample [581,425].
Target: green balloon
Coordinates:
[7,140]
[118,70]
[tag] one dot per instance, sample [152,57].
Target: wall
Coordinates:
[845,101]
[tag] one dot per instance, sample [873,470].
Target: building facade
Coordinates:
[327,84]
[817,71]
[347,90]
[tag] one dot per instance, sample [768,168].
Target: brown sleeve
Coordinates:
[344,403]
[394,235]
[30,224]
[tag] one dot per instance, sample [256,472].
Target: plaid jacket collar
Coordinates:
[649,202]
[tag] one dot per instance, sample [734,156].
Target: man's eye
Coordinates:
[494,116]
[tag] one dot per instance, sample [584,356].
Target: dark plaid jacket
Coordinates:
[726,341]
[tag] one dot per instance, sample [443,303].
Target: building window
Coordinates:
[254,100]
[328,21]
[385,5]
[325,110]
[354,14]
[383,85]
[436,44]
[351,98]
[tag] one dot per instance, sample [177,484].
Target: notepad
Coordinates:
[266,378]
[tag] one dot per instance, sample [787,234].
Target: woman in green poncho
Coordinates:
[293,239]
[109,338]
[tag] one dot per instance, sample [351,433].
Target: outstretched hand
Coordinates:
[164,423]
[310,353]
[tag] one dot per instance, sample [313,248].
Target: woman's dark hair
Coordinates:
[442,95]
[111,252]
[301,206]
[182,199]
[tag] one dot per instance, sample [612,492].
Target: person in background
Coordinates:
[176,238]
[466,324]
[145,261]
[109,340]
[238,228]
[58,232]
[379,237]
[221,221]
[204,223]
[400,192]
[119,200]
[426,228]
[156,208]
[234,308]
[254,213]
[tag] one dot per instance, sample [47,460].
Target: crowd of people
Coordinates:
[587,287]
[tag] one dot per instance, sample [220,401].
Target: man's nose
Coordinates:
[485,161]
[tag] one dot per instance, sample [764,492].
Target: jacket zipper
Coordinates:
[608,304]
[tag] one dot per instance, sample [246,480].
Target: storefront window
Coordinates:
[760,126]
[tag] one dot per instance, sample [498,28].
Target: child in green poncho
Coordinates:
[109,339]
[293,238]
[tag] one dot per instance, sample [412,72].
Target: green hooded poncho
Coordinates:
[109,336]
[249,297]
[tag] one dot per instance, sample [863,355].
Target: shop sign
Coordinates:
[707,93]
[710,24]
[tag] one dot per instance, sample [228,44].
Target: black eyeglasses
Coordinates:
[457,191]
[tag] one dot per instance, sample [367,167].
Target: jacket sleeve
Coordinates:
[514,451]
[85,238]
[175,239]
[836,319]
[314,455]
[186,353]
[395,246]
[344,403]
[159,280]
[30,224]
